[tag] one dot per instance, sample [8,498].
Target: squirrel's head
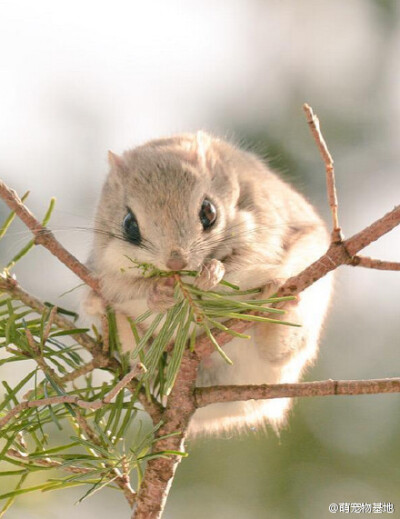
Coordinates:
[171,202]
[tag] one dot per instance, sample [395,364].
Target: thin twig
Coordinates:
[210,395]
[52,375]
[313,122]
[74,399]
[46,462]
[45,237]
[49,324]
[83,370]
[9,284]
[120,480]
[370,263]
[39,359]
[105,332]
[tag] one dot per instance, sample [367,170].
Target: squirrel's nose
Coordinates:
[176,261]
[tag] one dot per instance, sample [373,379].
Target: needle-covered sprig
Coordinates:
[196,311]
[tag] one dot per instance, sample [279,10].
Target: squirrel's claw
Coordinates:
[210,275]
[161,295]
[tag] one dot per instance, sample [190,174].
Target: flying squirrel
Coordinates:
[196,202]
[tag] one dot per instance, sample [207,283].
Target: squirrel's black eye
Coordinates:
[131,230]
[208,214]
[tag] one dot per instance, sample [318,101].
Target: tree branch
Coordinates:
[313,122]
[83,370]
[210,395]
[45,237]
[9,284]
[370,263]
[45,462]
[374,231]
[76,400]
[160,471]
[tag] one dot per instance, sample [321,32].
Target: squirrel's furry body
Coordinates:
[264,233]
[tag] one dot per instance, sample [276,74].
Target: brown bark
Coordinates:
[160,471]
[45,237]
[210,395]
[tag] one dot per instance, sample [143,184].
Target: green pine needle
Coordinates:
[196,311]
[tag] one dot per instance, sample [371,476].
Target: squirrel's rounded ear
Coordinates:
[118,168]
[116,162]
[201,151]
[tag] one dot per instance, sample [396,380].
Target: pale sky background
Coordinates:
[80,77]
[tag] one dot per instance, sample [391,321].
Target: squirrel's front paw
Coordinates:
[161,295]
[210,275]
[93,304]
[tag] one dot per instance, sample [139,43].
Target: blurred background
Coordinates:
[79,78]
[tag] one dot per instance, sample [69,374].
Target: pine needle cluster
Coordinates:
[195,311]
